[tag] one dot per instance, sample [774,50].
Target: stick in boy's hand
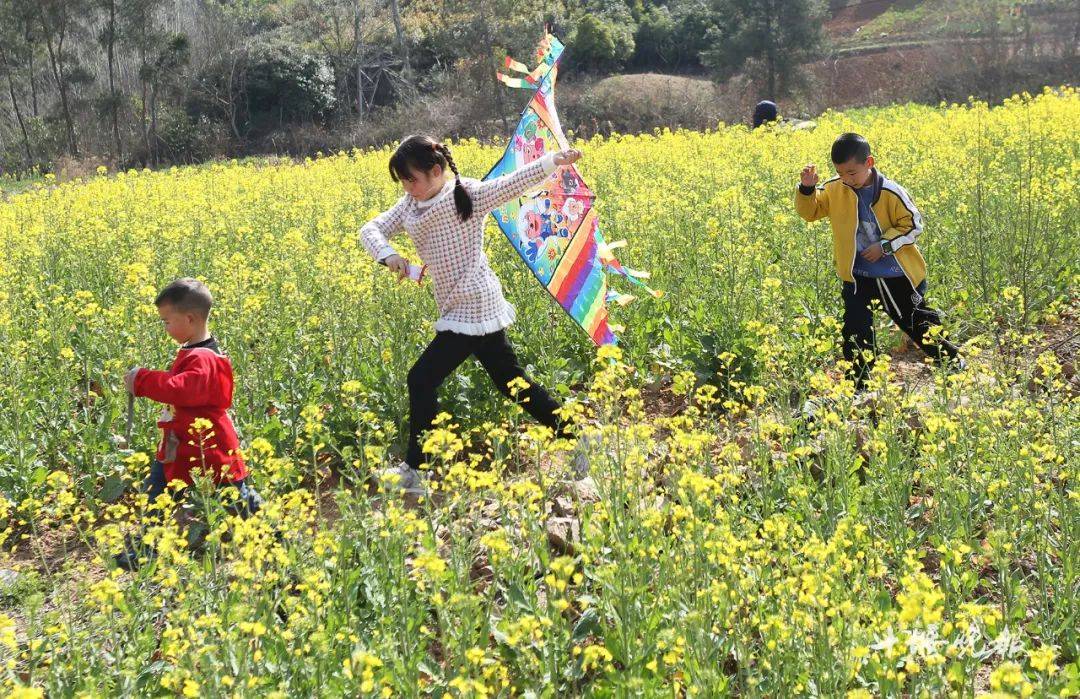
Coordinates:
[130,418]
[809,176]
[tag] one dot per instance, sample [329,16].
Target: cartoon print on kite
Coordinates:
[530,148]
[510,215]
[571,198]
[548,256]
[532,141]
[533,221]
[540,221]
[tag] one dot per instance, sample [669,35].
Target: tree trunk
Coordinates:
[485,30]
[22,123]
[396,13]
[114,105]
[360,90]
[56,60]
[33,79]
[770,52]
[153,123]
[357,56]
[143,101]
[232,101]
[18,112]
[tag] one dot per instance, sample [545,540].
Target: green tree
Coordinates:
[656,39]
[773,38]
[601,44]
[693,20]
[463,40]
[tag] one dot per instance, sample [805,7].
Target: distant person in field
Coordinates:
[196,393]
[875,225]
[765,112]
[444,215]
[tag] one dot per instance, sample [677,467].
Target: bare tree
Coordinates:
[161,55]
[352,35]
[403,46]
[108,39]
[138,31]
[14,19]
[7,65]
[58,20]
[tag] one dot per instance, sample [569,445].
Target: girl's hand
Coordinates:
[567,157]
[397,264]
[809,176]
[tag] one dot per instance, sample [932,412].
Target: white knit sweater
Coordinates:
[467,292]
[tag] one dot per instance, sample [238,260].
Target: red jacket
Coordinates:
[199,384]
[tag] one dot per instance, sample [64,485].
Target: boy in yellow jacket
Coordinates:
[874,225]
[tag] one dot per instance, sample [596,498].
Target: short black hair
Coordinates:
[188,296]
[848,146]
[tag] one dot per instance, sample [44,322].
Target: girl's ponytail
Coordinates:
[462,200]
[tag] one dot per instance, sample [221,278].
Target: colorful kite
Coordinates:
[555,228]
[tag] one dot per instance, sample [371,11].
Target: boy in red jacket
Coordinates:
[196,392]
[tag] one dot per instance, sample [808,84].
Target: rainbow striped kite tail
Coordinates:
[636,276]
[611,263]
[547,55]
[518,83]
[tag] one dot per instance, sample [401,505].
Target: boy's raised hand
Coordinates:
[567,157]
[809,176]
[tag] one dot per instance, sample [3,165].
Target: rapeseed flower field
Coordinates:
[924,542]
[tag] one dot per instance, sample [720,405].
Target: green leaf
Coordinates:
[515,596]
[112,489]
[587,625]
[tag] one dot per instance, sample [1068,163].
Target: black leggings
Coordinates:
[907,308]
[447,352]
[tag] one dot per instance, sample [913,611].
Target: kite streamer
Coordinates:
[555,228]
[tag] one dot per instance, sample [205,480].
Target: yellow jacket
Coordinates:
[899,220]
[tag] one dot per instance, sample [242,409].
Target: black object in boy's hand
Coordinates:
[130,418]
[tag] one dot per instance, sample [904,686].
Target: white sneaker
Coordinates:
[813,407]
[405,479]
